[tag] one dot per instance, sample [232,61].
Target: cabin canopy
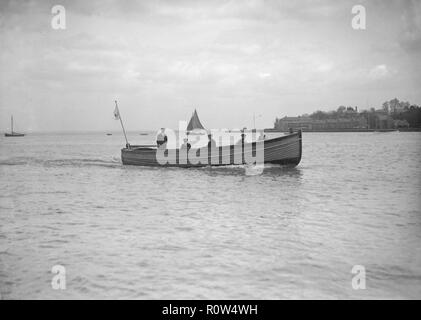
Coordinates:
[194,122]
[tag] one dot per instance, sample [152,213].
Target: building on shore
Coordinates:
[310,124]
[383,120]
[399,124]
[349,120]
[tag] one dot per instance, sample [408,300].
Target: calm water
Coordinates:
[132,232]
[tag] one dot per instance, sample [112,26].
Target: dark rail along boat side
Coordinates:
[285,150]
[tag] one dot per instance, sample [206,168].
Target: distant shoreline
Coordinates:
[267,130]
[351,130]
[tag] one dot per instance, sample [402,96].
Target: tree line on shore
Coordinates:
[397,110]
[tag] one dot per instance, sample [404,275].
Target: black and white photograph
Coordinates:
[199,150]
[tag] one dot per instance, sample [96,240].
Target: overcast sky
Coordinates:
[228,59]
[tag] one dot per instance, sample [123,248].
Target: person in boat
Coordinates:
[243,137]
[262,136]
[186,144]
[161,138]
[211,142]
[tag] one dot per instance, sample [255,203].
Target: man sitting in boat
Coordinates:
[211,142]
[186,144]
[243,137]
[161,138]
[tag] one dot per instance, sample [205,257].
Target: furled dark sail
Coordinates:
[194,122]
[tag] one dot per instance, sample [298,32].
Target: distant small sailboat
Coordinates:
[12,133]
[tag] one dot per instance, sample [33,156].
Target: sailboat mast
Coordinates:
[122,126]
[11,121]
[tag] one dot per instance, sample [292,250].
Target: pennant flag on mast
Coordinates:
[117,117]
[116,113]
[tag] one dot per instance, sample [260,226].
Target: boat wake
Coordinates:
[248,170]
[72,162]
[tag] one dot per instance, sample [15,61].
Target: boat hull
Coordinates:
[14,134]
[284,150]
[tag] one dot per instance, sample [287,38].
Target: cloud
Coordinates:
[379,72]
[264,75]
[325,67]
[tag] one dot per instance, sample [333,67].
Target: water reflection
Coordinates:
[230,170]
[289,171]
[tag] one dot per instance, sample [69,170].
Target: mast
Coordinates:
[11,121]
[122,126]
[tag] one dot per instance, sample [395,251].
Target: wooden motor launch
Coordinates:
[284,150]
